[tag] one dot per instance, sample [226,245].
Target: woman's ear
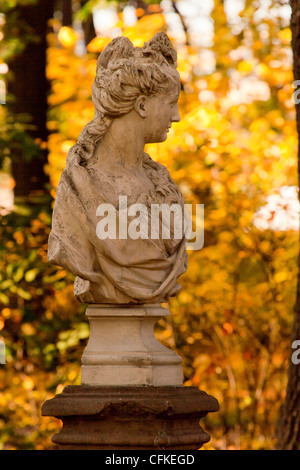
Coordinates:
[140,106]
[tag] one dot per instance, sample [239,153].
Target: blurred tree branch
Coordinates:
[183,23]
[289,422]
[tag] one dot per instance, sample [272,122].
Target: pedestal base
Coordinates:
[122,349]
[130,418]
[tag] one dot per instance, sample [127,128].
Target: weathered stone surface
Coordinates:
[130,418]
[122,348]
[135,94]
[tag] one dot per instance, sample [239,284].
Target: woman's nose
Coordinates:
[176,115]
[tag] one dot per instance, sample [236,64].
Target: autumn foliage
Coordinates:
[234,151]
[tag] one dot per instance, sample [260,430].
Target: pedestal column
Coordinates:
[122,349]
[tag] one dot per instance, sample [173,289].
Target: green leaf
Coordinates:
[4,299]
[31,274]
[22,293]
[18,275]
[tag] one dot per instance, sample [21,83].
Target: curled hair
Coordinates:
[124,72]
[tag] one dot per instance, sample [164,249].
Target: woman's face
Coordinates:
[162,111]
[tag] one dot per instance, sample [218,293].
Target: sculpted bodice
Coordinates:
[114,271]
[122,182]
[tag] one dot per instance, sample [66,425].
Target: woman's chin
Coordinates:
[156,140]
[163,137]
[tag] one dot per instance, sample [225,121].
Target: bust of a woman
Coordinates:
[135,94]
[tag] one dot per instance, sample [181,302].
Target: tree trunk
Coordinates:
[67,13]
[289,423]
[88,26]
[29,88]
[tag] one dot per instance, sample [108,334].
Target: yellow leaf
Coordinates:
[285,35]
[67,144]
[245,66]
[98,44]
[280,277]
[67,36]
[28,383]
[28,329]
[151,22]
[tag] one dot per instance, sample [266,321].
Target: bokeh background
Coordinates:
[234,150]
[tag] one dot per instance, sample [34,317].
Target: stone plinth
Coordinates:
[122,349]
[130,418]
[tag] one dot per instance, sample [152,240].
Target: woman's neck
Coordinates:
[122,146]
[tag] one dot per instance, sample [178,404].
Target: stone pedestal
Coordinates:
[131,397]
[122,349]
[130,418]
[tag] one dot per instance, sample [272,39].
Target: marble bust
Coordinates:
[135,94]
